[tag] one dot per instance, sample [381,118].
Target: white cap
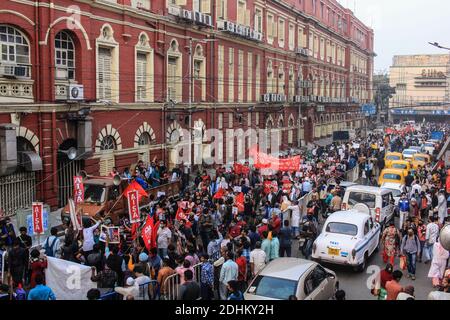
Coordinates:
[130,281]
[265,221]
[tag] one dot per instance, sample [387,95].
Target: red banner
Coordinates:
[38,212]
[269,184]
[239,201]
[78,189]
[219,194]
[183,214]
[265,161]
[133,206]
[240,169]
[147,232]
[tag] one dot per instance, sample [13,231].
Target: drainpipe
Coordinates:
[55,150]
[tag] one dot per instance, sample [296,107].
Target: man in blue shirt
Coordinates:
[403,207]
[206,278]
[41,291]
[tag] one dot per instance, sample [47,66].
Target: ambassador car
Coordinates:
[348,238]
[285,277]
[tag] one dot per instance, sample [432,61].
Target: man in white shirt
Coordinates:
[88,237]
[431,235]
[164,237]
[257,259]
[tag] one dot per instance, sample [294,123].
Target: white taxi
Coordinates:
[348,238]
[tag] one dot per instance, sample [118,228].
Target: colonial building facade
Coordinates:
[117,80]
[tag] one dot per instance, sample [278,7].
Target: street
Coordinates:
[355,284]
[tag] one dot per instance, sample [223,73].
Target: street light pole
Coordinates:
[447,90]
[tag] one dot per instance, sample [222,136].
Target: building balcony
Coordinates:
[16,91]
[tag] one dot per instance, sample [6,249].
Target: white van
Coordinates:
[380,201]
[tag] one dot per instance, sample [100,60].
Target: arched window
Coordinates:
[15,52]
[64,56]
[108,143]
[144,139]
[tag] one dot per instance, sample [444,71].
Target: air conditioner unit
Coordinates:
[239,29]
[230,26]
[186,14]
[7,70]
[198,17]
[207,19]
[259,36]
[75,92]
[221,25]
[174,11]
[266,97]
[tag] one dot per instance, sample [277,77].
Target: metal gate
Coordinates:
[17,191]
[66,171]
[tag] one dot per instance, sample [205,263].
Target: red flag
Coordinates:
[134,228]
[147,232]
[219,194]
[154,235]
[239,200]
[135,186]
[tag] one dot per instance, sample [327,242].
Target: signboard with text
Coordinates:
[78,189]
[38,218]
[133,206]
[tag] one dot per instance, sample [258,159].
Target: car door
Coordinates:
[386,208]
[317,285]
[372,238]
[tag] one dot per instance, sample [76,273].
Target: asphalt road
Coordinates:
[355,284]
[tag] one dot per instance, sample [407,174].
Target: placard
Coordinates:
[38,217]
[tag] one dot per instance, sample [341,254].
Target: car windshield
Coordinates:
[419,158]
[391,176]
[429,145]
[362,197]
[409,152]
[392,157]
[342,228]
[395,193]
[275,288]
[399,166]
[94,193]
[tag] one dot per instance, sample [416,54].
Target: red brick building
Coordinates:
[116,79]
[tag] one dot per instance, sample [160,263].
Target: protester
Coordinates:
[41,291]
[189,290]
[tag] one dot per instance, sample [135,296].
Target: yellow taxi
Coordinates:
[401,165]
[392,156]
[422,157]
[392,175]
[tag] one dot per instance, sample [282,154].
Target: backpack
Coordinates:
[49,252]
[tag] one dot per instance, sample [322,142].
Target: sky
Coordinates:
[404,26]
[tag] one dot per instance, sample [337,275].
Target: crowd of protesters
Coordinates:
[227,224]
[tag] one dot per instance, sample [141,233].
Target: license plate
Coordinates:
[333,252]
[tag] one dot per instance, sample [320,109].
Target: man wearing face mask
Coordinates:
[411,248]
[403,206]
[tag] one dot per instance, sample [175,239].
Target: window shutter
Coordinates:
[107,163]
[104,73]
[141,76]
[220,9]
[206,6]
[247,17]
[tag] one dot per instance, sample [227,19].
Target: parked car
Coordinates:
[429,146]
[284,277]
[408,153]
[347,238]
[397,189]
[391,175]
[380,202]
[392,156]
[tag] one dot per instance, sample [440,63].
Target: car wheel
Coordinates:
[363,265]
